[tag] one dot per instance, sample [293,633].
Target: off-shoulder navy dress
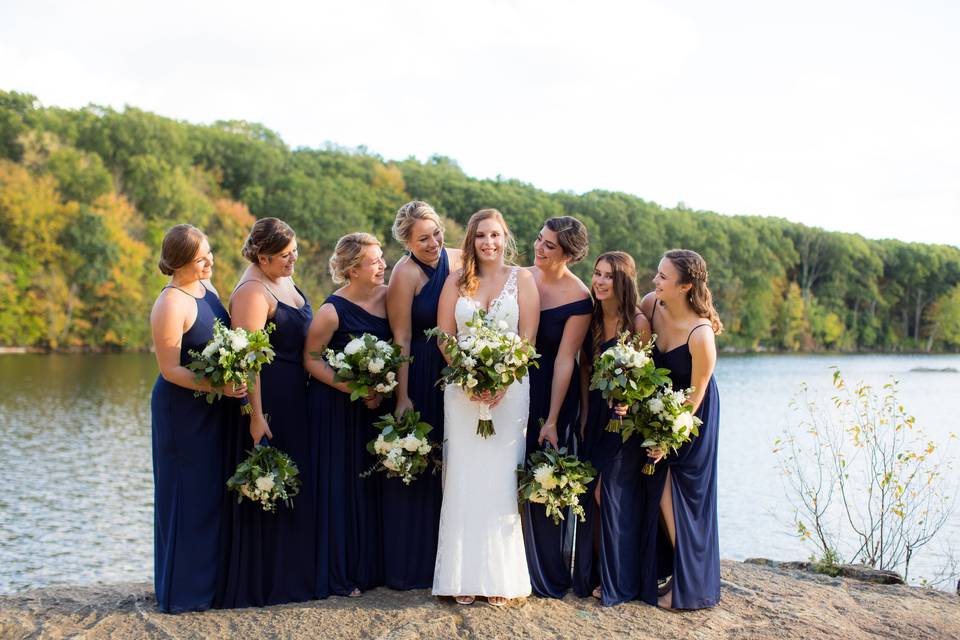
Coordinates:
[411,513]
[349,541]
[189,443]
[272,556]
[599,447]
[695,565]
[547,558]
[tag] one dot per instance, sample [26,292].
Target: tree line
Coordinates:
[86,195]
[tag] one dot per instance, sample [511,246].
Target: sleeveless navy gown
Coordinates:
[411,513]
[349,540]
[547,559]
[599,447]
[695,564]
[189,442]
[272,556]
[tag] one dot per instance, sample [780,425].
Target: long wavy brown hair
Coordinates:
[693,270]
[624,291]
[469,282]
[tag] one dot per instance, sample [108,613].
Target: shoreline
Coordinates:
[758,601]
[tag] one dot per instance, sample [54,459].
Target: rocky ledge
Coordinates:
[758,601]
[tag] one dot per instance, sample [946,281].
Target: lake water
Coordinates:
[76,505]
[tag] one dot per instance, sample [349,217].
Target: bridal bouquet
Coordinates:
[232,356]
[626,374]
[556,481]
[267,476]
[366,364]
[668,422]
[402,448]
[487,358]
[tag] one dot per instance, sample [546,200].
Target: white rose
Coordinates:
[384,347]
[544,475]
[380,445]
[211,349]
[353,346]
[265,483]
[683,421]
[639,360]
[469,362]
[375,365]
[239,342]
[391,376]
[502,325]
[411,443]
[499,367]
[655,405]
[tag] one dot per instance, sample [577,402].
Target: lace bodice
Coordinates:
[504,307]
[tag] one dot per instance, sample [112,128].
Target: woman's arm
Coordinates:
[574,331]
[703,352]
[400,293]
[174,313]
[250,310]
[325,322]
[446,310]
[529,300]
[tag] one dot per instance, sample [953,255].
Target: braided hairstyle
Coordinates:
[693,271]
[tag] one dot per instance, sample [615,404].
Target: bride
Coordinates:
[480,548]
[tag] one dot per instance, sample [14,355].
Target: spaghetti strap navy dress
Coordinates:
[695,563]
[599,447]
[411,513]
[189,442]
[547,558]
[349,540]
[272,556]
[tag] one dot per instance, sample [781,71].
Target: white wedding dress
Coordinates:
[480,548]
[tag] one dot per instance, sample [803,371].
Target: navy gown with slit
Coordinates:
[189,441]
[547,558]
[599,447]
[272,556]
[411,513]
[695,565]
[349,540]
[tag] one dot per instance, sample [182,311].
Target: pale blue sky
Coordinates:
[844,115]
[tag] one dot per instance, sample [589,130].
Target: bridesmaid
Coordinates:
[272,556]
[189,435]
[350,556]
[604,541]
[685,485]
[411,513]
[554,387]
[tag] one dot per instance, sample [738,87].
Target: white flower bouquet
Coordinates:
[556,480]
[367,364]
[402,447]
[487,358]
[626,374]
[267,476]
[232,356]
[667,421]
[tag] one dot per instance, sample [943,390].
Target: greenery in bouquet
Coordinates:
[367,365]
[402,447]
[666,422]
[266,476]
[626,374]
[488,357]
[556,480]
[233,356]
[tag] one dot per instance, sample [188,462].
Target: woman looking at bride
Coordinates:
[480,548]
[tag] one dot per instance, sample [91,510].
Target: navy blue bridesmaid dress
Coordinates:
[349,540]
[695,564]
[411,513]
[547,559]
[599,447]
[272,556]
[189,442]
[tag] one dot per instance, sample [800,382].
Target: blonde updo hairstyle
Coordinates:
[408,215]
[179,247]
[268,237]
[571,236]
[348,254]
[469,282]
[693,270]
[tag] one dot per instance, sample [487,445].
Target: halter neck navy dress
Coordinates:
[272,556]
[189,442]
[349,540]
[547,556]
[599,447]
[695,564]
[411,513]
